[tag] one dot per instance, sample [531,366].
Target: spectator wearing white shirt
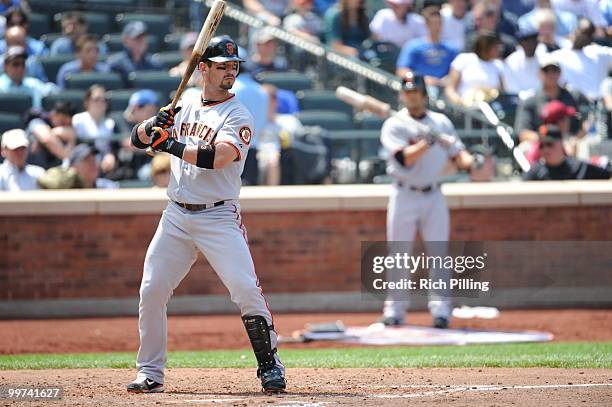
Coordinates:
[565,21]
[583,8]
[15,174]
[454,23]
[586,65]
[546,23]
[93,126]
[478,75]
[521,68]
[397,23]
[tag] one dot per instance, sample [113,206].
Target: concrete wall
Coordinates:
[68,253]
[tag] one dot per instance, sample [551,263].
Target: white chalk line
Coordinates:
[458,389]
[444,389]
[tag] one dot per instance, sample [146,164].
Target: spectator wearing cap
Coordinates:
[82,172]
[142,105]
[265,57]
[303,21]
[397,23]
[586,64]
[521,67]
[529,111]
[545,22]
[565,21]
[346,27]
[588,9]
[428,57]
[95,127]
[15,174]
[87,54]
[486,18]
[455,20]
[134,57]
[14,79]
[53,136]
[554,163]
[17,34]
[557,114]
[478,75]
[187,43]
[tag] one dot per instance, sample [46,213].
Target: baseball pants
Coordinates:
[408,212]
[219,234]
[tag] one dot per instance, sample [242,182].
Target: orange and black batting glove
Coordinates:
[162,141]
[165,117]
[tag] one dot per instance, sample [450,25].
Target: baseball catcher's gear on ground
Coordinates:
[222,49]
[257,328]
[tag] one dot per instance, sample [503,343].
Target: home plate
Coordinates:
[379,334]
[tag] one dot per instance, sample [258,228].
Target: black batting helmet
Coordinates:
[410,81]
[221,49]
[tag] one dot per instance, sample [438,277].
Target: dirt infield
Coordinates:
[227,332]
[328,387]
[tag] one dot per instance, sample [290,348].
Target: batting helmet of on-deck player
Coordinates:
[221,49]
[410,81]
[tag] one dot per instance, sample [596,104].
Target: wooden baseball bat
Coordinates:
[206,33]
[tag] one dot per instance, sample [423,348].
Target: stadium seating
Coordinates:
[322,100]
[158,24]
[76,96]
[97,23]
[15,103]
[368,121]
[114,43]
[39,25]
[168,59]
[10,121]
[326,119]
[52,64]
[118,99]
[161,81]
[293,81]
[84,80]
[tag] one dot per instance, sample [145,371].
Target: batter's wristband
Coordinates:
[136,140]
[176,148]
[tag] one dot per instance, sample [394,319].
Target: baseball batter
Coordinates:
[416,162]
[208,141]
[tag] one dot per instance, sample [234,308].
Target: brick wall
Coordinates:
[100,256]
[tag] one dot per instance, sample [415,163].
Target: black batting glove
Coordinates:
[165,117]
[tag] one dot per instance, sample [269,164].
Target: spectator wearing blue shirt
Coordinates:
[74,26]
[566,22]
[13,80]
[518,7]
[606,10]
[87,60]
[17,36]
[8,4]
[427,57]
[135,56]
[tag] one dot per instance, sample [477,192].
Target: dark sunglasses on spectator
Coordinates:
[17,63]
[549,69]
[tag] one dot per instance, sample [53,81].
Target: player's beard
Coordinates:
[227,84]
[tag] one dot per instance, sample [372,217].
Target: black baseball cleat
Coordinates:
[391,321]
[440,323]
[145,386]
[272,381]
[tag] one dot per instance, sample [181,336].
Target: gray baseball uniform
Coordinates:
[218,232]
[417,204]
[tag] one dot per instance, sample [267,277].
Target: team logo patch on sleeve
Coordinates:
[245,134]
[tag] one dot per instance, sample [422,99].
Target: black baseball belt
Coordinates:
[426,188]
[199,207]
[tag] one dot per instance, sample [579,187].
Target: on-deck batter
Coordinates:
[209,141]
[416,162]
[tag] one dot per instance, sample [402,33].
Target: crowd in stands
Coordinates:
[552,56]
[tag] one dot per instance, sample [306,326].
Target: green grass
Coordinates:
[562,355]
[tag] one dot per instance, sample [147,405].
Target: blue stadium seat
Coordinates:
[39,25]
[10,121]
[168,59]
[84,80]
[15,103]
[52,64]
[76,96]
[322,100]
[326,119]
[160,81]
[293,81]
